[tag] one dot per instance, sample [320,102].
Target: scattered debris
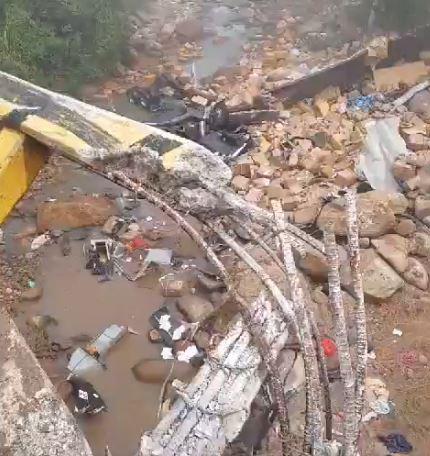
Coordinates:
[40,241]
[397,332]
[87,399]
[94,354]
[396,443]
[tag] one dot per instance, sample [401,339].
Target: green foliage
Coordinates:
[403,15]
[61,43]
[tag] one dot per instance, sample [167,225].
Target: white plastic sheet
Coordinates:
[383,144]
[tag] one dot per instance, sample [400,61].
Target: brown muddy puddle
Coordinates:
[83,308]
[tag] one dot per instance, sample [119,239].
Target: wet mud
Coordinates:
[80,308]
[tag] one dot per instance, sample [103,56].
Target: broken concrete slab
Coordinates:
[33,419]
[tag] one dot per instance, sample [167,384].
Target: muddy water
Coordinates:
[83,308]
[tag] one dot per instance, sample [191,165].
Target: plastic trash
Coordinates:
[167,353]
[362,103]
[39,241]
[169,327]
[383,145]
[162,257]
[99,256]
[93,356]
[188,354]
[397,332]
[396,443]
[87,399]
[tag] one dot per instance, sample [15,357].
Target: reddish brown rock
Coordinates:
[345,178]
[195,308]
[276,192]
[375,217]
[403,171]
[316,158]
[417,142]
[406,227]
[289,203]
[420,244]
[424,179]
[315,266]
[394,249]
[306,215]
[243,169]
[422,207]
[265,171]
[254,195]
[397,202]
[240,183]
[80,212]
[261,182]
[421,158]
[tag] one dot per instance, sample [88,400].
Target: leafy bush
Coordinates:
[61,43]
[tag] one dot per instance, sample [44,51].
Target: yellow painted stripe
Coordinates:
[53,135]
[21,159]
[125,131]
[170,158]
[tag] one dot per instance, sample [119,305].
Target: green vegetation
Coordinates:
[402,15]
[61,43]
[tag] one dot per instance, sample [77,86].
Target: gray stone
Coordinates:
[375,217]
[420,245]
[420,104]
[195,308]
[416,274]
[422,207]
[197,201]
[406,227]
[394,249]
[380,280]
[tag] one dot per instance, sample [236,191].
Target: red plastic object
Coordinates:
[138,244]
[329,347]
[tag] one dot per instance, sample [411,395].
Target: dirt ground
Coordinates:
[403,363]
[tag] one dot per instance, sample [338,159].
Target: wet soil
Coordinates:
[83,308]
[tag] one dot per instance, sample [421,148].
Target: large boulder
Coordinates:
[375,216]
[79,212]
[380,280]
[394,249]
